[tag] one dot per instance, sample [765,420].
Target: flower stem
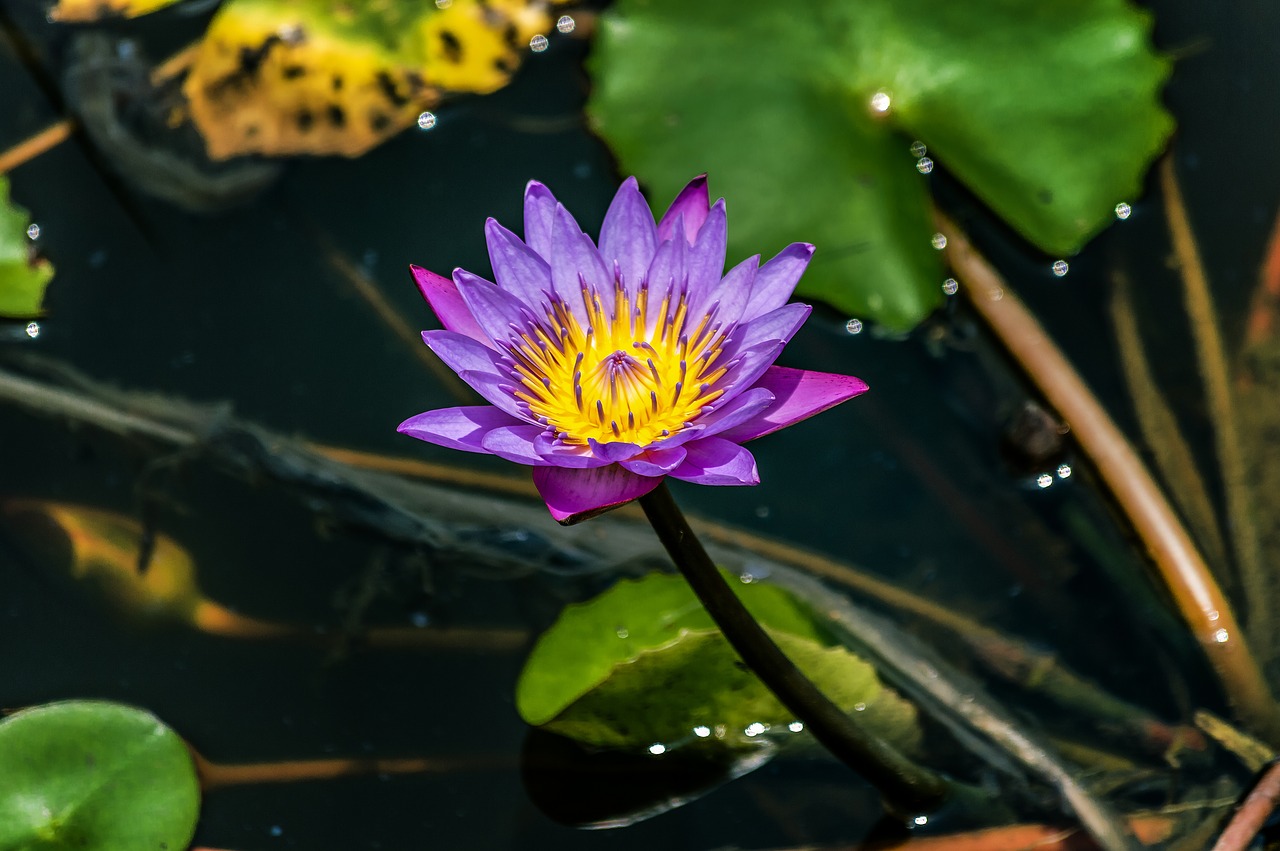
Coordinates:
[906,787]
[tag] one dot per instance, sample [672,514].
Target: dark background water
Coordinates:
[243,306]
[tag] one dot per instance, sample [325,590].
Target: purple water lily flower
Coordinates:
[607,369]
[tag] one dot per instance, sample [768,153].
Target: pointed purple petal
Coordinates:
[800,394]
[457,428]
[575,495]
[628,234]
[694,203]
[502,315]
[706,260]
[447,302]
[574,260]
[666,275]
[777,279]
[480,367]
[517,268]
[561,454]
[539,214]
[656,462]
[726,301]
[716,461]
[514,443]
[613,451]
[777,325]
[740,409]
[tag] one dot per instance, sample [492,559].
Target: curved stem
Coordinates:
[905,786]
[1253,813]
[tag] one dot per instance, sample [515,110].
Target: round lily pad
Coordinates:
[86,774]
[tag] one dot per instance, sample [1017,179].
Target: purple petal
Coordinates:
[479,366]
[742,408]
[539,215]
[706,260]
[800,394]
[613,451]
[514,443]
[666,275]
[448,304]
[575,495]
[560,454]
[517,268]
[628,234]
[777,325]
[724,303]
[693,203]
[574,260]
[656,462]
[457,428]
[716,461]
[777,279]
[502,315]
[755,345]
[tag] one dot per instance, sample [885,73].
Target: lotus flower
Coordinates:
[607,369]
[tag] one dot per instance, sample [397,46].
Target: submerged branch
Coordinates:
[1192,585]
[1253,813]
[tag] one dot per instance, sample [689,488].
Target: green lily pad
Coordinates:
[1048,112]
[643,664]
[94,775]
[23,276]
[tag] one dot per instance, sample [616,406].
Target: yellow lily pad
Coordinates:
[281,77]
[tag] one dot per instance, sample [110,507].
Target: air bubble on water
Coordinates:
[657,748]
[995,293]
[1212,615]
[755,728]
[950,286]
[33,231]
[1064,471]
[924,165]
[1123,211]
[859,707]
[918,149]
[795,726]
[746,578]
[1044,480]
[565,24]
[702,731]
[443,4]
[622,632]
[1221,636]
[33,329]
[427,120]
[1060,268]
[920,821]
[538,43]
[939,241]
[880,101]
[853,326]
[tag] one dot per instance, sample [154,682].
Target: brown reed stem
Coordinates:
[33,146]
[1253,813]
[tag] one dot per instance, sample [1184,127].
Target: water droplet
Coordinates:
[795,726]
[853,326]
[1064,471]
[918,149]
[565,24]
[1212,615]
[1123,211]
[33,231]
[1044,480]
[538,43]
[33,329]
[755,728]
[880,101]
[1060,268]
[950,286]
[921,821]
[859,707]
[924,165]
[701,732]
[657,748]
[427,120]
[443,4]
[746,578]
[1221,636]
[939,241]
[995,293]
[622,632]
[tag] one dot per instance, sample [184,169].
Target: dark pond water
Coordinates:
[244,306]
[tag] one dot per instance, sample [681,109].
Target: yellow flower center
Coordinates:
[635,375]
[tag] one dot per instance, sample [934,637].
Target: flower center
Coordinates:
[633,375]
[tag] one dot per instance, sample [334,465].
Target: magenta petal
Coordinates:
[514,443]
[575,495]
[740,409]
[706,260]
[716,461]
[655,462]
[693,203]
[777,279]
[458,428]
[628,235]
[574,261]
[501,314]
[443,296]
[517,268]
[800,394]
[479,366]
[539,215]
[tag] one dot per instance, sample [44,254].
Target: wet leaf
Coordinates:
[282,77]
[1048,112]
[97,10]
[644,664]
[23,276]
[95,775]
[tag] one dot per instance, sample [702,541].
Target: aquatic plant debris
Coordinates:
[81,11]
[1048,112]
[608,369]
[23,275]
[643,664]
[281,77]
[86,774]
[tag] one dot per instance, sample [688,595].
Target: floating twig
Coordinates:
[33,146]
[214,775]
